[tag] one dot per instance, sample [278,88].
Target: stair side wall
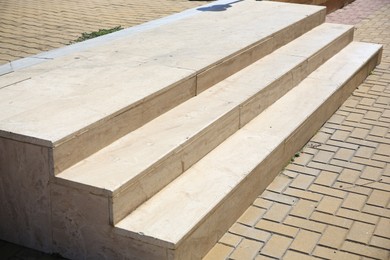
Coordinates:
[25,215]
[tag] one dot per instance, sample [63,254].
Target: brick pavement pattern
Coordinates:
[50,24]
[333,200]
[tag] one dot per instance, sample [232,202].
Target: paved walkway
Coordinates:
[331,202]
[28,27]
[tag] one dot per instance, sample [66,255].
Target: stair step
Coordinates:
[190,214]
[138,165]
[101,94]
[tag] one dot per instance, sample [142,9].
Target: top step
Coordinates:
[80,103]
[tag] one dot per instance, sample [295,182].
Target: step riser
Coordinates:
[172,166]
[66,153]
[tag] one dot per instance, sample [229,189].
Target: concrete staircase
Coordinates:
[150,147]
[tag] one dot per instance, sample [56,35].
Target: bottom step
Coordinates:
[190,214]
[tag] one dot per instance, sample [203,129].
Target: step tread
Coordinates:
[100,83]
[203,187]
[129,157]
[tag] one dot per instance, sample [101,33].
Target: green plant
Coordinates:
[100,32]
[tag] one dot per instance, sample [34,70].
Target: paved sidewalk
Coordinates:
[333,200]
[28,27]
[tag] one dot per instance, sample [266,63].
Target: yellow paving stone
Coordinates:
[354,201]
[380,242]
[303,208]
[377,211]
[348,165]
[305,224]
[278,197]
[262,203]
[248,232]
[305,241]
[361,232]
[379,198]
[247,249]
[263,257]
[365,250]
[302,181]
[277,212]
[230,239]
[327,191]
[383,228]
[303,194]
[277,228]
[333,237]
[340,135]
[355,215]
[326,178]
[276,246]
[344,154]
[328,253]
[371,173]
[330,219]
[349,176]
[292,255]
[325,166]
[219,251]
[279,183]
[323,157]
[329,205]
[251,216]
[383,149]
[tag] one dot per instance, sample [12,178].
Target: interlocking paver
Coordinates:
[303,208]
[277,212]
[329,204]
[251,216]
[277,228]
[331,219]
[363,250]
[306,224]
[305,241]
[326,178]
[383,227]
[361,232]
[328,253]
[276,246]
[61,22]
[220,251]
[379,198]
[354,201]
[247,249]
[380,242]
[333,237]
[230,240]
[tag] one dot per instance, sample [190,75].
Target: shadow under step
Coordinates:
[189,215]
[137,166]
